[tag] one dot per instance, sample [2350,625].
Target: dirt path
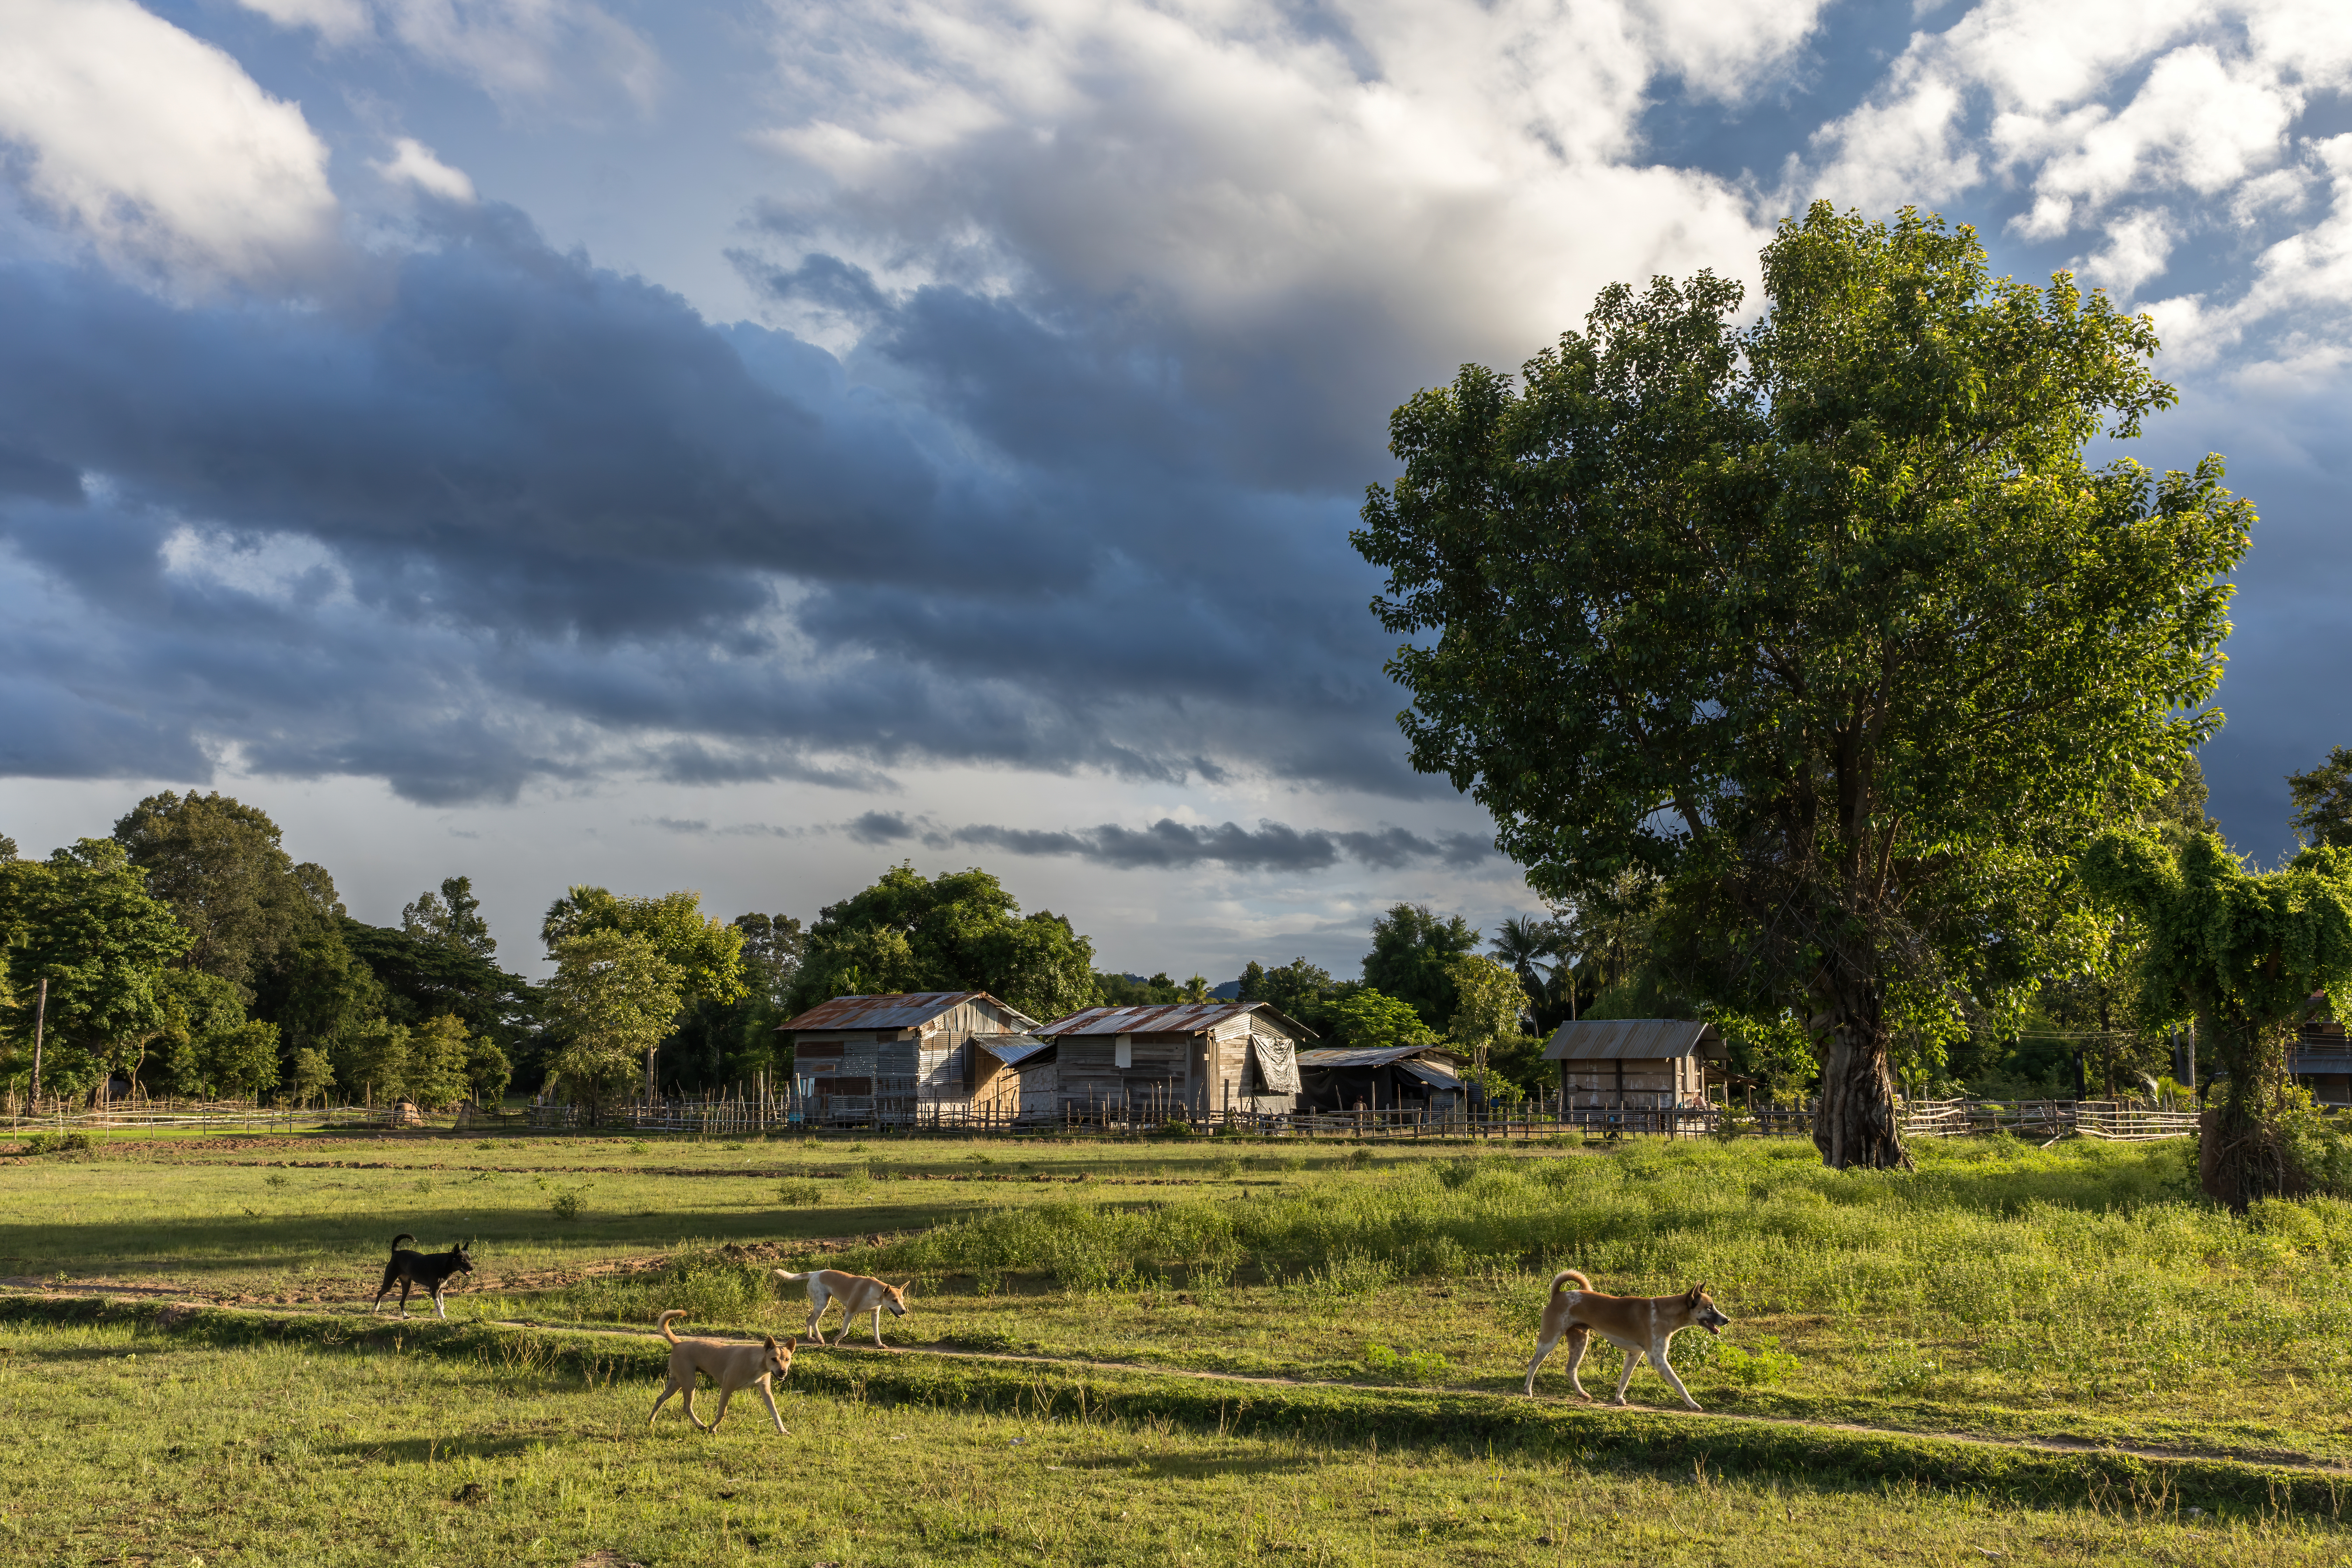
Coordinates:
[2154,1453]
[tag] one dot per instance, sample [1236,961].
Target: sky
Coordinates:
[740,446]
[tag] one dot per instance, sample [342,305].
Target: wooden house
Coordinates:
[898,1057]
[1014,1077]
[1636,1063]
[2320,1059]
[1198,1058]
[1406,1078]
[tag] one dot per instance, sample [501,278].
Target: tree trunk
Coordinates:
[2241,1159]
[1854,1127]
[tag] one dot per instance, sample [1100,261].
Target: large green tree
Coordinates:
[217,862]
[84,921]
[1412,958]
[613,998]
[2245,953]
[959,931]
[1825,622]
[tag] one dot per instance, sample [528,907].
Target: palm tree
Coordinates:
[1520,943]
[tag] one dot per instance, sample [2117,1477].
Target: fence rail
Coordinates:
[2042,1120]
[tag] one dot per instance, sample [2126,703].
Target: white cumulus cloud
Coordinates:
[157,147]
[413,164]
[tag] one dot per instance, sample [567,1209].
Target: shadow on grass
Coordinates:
[232,1244]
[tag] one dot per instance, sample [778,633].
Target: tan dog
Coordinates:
[857,1293]
[1638,1325]
[729,1363]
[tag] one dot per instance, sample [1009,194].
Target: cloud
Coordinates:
[2160,132]
[881,827]
[158,149]
[412,162]
[525,54]
[1169,845]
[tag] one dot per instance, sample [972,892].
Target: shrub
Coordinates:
[569,1206]
[55,1143]
[800,1192]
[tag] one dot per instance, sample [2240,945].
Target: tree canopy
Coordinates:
[1412,957]
[84,921]
[959,931]
[1825,625]
[2323,801]
[217,863]
[2243,952]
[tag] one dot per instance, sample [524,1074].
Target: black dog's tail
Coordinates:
[396,1240]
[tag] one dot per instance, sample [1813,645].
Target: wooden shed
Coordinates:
[1636,1063]
[1403,1078]
[1191,1058]
[896,1057]
[1014,1077]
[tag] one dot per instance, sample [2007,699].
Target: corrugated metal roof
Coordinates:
[1632,1040]
[1430,1073]
[1173,1018]
[1011,1049]
[1329,1056]
[908,1010]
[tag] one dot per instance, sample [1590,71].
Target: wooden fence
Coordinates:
[745,1114]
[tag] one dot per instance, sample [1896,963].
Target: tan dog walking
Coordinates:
[729,1363]
[857,1293]
[1638,1325]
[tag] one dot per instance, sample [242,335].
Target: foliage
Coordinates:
[1367,1020]
[1488,1003]
[311,1075]
[705,954]
[217,863]
[1824,623]
[2244,953]
[440,1052]
[961,931]
[1294,990]
[1121,991]
[452,918]
[376,1061]
[84,921]
[412,978]
[613,999]
[204,1045]
[1412,956]
[488,1071]
[1775,1050]
[2323,802]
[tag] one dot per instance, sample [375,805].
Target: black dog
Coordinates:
[428,1270]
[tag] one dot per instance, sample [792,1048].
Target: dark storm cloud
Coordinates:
[1270,846]
[553,510]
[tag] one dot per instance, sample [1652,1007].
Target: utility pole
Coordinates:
[40,1020]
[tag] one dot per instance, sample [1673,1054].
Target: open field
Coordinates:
[2079,1294]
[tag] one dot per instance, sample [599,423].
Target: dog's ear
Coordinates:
[907,1286]
[1697,1292]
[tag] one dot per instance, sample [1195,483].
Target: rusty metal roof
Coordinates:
[1172,1018]
[907,1010]
[1327,1057]
[1012,1048]
[1632,1040]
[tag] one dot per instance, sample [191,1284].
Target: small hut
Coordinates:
[1196,1058]
[899,1058]
[1635,1063]
[1404,1077]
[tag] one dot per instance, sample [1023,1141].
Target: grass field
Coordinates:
[2083,1293]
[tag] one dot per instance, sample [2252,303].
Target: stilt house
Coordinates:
[896,1057]
[1201,1059]
[1636,1063]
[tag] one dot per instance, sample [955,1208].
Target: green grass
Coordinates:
[418,1445]
[2084,1292]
